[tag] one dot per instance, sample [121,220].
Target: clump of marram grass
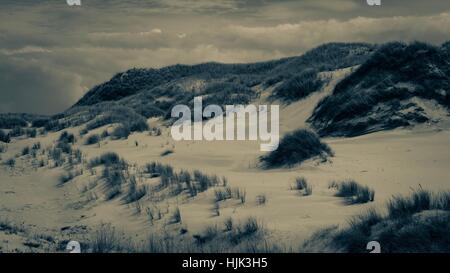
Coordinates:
[353,191]
[261,199]
[245,237]
[176,216]
[223,194]
[135,192]
[107,159]
[10,227]
[156,169]
[418,223]
[302,185]
[25,151]
[240,194]
[92,139]
[248,228]
[106,239]
[295,148]
[10,162]
[36,146]
[180,182]
[69,176]
[208,234]
[420,200]
[228,223]
[66,137]
[121,132]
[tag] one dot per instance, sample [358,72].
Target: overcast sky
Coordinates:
[51,53]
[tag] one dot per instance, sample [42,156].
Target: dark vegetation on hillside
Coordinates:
[296,147]
[375,97]
[417,223]
[131,97]
[11,120]
[299,86]
[173,80]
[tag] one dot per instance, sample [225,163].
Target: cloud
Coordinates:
[24,50]
[155,30]
[30,87]
[52,54]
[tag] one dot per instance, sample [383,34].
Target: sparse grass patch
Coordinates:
[69,176]
[222,194]
[353,191]
[135,192]
[240,194]
[106,239]
[107,159]
[420,200]
[246,229]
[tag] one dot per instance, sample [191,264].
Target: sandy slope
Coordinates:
[390,162]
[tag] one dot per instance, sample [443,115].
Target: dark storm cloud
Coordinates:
[51,53]
[29,86]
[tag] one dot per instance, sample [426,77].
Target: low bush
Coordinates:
[4,137]
[92,139]
[295,148]
[66,137]
[10,162]
[121,132]
[106,159]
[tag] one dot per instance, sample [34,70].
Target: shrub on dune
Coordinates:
[106,159]
[92,139]
[4,137]
[353,191]
[121,132]
[295,148]
[66,137]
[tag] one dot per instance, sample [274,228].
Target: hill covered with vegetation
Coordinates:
[387,91]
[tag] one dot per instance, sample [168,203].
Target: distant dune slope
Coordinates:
[389,90]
